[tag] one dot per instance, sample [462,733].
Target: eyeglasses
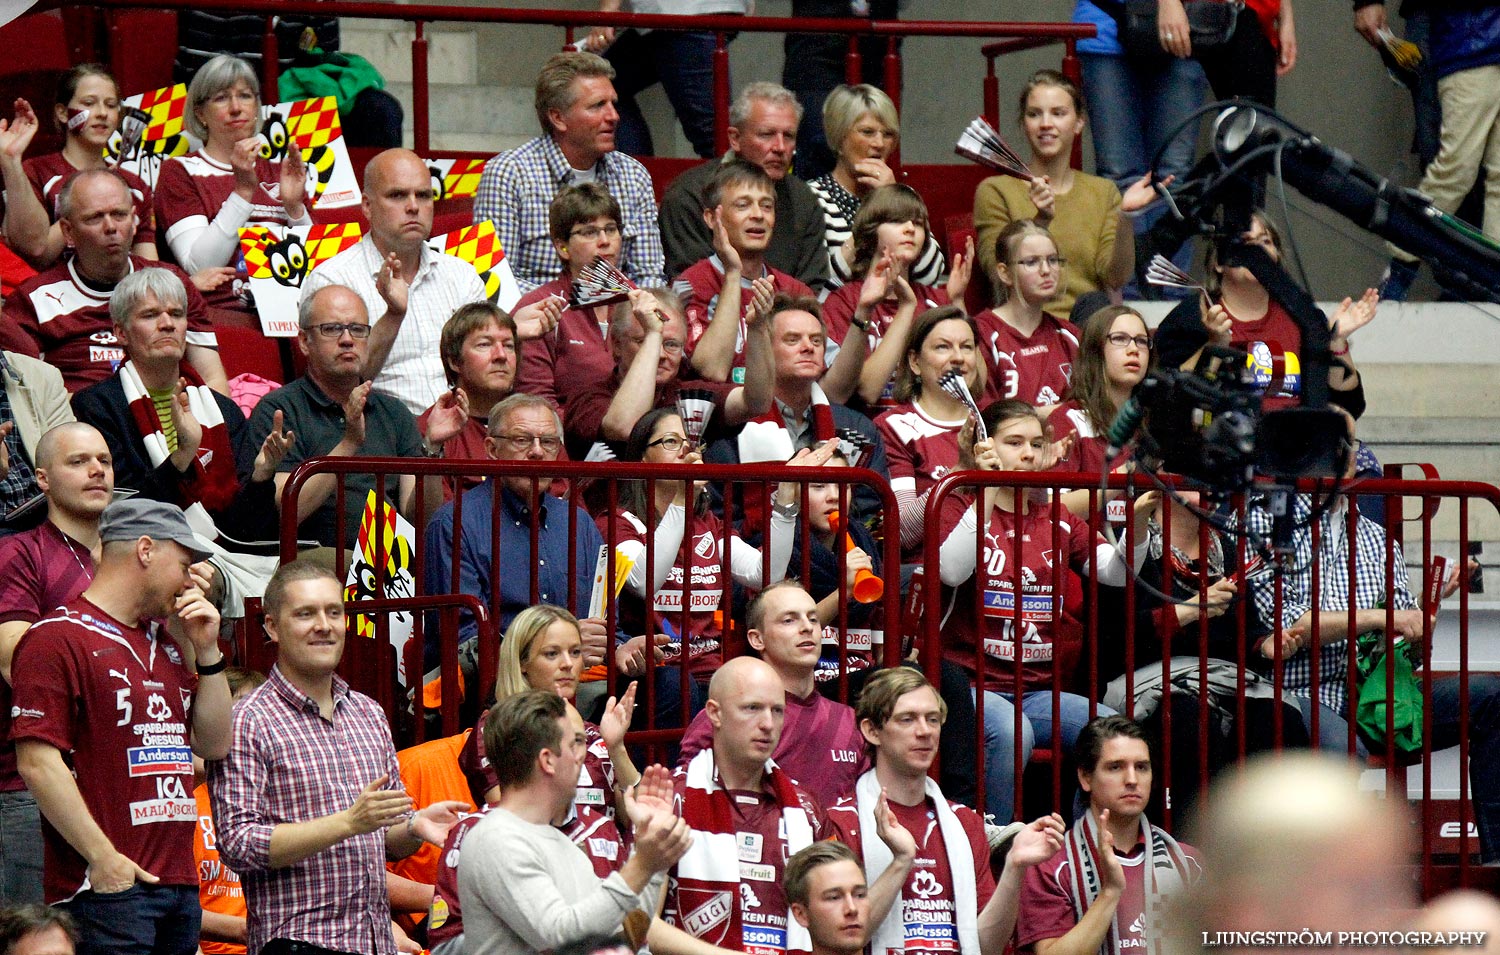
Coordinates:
[592,232]
[669,345]
[337,329]
[1034,262]
[521,442]
[1122,340]
[670,443]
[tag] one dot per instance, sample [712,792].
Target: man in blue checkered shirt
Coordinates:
[1370,589]
[575,104]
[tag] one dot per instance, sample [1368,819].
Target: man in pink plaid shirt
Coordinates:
[309,802]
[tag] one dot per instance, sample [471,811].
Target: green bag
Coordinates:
[1370,713]
[340,75]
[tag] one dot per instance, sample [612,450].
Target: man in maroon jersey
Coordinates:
[62,314]
[98,680]
[739,205]
[44,567]
[748,817]
[820,745]
[826,886]
[932,887]
[1114,867]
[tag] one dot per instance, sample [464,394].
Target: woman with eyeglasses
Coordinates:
[87,111]
[1238,312]
[1113,354]
[203,199]
[1032,544]
[889,234]
[688,544]
[1086,214]
[862,126]
[1028,352]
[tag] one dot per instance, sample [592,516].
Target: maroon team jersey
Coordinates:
[579,348]
[190,191]
[838,311]
[1034,368]
[700,285]
[48,174]
[593,833]
[1272,335]
[1047,897]
[596,780]
[43,568]
[1051,595]
[1089,446]
[919,449]
[698,558]
[119,700]
[926,907]
[61,317]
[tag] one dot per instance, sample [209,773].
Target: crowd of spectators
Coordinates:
[161,801]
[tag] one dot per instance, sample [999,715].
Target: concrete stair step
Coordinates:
[451,50]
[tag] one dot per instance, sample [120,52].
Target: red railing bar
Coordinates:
[419,90]
[576,18]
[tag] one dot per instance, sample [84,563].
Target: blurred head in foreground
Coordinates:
[1290,844]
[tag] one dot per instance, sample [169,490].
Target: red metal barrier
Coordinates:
[1447,844]
[747,487]
[420,14]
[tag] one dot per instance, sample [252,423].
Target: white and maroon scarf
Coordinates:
[708,875]
[213,482]
[766,438]
[890,935]
[1166,873]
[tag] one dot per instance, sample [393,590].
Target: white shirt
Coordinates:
[413,371]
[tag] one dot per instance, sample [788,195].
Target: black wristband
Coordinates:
[213,668]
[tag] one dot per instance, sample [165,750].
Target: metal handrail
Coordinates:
[1428,491]
[1026,35]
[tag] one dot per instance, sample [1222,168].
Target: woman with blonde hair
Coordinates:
[861,125]
[543,650]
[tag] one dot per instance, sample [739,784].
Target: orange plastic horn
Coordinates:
[868,587]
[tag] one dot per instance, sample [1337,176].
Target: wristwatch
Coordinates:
[860,322]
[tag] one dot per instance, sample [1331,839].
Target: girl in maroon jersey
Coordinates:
[920,431]
[687,548]
[87,111]
[1035,546]
[1113,353]
[1028,352]
[889,233]
[1239,312]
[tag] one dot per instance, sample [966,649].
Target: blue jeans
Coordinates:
[20,849]
[1484,744]
[683,63]
[1036,724]
[1135,107]
[154,919]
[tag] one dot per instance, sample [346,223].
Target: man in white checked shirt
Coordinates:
[408,289]
[1367,592]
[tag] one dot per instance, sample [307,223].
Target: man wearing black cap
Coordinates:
[97,679]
